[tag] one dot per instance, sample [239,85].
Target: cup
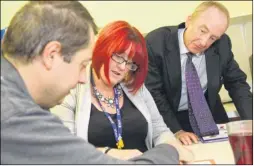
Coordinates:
[240,138]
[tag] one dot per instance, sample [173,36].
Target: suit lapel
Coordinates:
[173,66]
[213,75]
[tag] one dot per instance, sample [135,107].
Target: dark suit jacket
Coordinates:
[164,76]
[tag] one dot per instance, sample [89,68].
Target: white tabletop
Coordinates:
[220,152]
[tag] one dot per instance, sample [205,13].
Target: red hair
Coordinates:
[116,37]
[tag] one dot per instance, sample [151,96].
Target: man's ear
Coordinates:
[51,54]
[188,21]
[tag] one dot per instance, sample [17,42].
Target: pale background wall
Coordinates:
[240,32]
[145,15]
[148,15]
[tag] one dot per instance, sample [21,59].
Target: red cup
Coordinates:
[241,140]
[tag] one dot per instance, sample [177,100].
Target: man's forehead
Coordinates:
[214,24]
[212,14]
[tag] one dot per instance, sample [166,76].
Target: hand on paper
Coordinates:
[187,138]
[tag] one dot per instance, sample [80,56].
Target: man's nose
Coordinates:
[204,41]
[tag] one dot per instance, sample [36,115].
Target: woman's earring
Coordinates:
[126,77]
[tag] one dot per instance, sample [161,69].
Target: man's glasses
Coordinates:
[130,65]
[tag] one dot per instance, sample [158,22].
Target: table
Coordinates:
[220,152]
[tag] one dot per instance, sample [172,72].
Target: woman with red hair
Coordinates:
[114,111]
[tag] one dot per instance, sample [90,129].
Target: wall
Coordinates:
[240,32]
[145,15]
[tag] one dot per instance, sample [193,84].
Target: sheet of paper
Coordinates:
[202,162]
[223,134]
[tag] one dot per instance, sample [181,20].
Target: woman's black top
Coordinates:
[134,127]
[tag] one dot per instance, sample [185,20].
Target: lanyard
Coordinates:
[117,129]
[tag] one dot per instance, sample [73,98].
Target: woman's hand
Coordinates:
[124,154]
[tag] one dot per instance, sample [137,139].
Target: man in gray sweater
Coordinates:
[44,53]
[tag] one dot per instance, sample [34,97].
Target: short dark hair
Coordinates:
[39,22]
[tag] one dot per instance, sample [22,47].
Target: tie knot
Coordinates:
[190,55]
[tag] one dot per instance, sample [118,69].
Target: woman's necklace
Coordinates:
[108,100]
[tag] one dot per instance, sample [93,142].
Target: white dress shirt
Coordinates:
[200,65]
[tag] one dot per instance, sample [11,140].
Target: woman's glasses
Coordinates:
[130,65]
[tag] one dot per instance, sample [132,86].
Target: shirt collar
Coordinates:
[183,48]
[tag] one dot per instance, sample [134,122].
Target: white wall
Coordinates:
[148,15]
[145,15]
[240,33]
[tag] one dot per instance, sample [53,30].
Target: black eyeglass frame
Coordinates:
[136,66]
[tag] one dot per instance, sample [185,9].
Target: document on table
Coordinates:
[202,162]
[222,136]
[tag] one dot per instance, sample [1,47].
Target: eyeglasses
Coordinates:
[130,65]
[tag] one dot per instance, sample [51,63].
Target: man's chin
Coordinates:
[60,101]
[196,50]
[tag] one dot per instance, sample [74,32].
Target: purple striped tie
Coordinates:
[200,116]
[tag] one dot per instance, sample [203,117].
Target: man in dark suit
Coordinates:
[203,34]
[44,54]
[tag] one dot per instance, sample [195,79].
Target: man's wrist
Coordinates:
[178,132]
